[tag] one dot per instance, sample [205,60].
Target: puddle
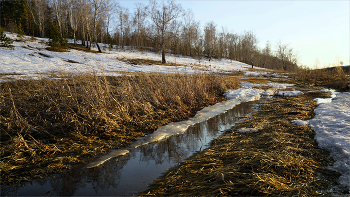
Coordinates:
[132,173]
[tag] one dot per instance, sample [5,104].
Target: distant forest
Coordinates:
[160,26]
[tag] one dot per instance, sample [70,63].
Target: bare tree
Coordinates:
[60,12]
[281,53]
[249,47]
[38,9]
[74,8]
[139,18]
[85,19]
[123,16]
[266,53]
[210,39]
[109,16]
[99,13]
[190,32]
[232,46]
[163,17]
[222,44]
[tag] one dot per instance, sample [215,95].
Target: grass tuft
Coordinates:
[147,62]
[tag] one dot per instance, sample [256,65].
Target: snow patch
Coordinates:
[27,60]
[301,122]
[289,93]
[248,130]
[332,127]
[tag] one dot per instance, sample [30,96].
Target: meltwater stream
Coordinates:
[132,173]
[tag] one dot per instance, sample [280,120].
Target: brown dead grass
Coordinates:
[255,80]
[335,79]
[147,62]
[47,125]
[57,49]
[81,48]
[280,159]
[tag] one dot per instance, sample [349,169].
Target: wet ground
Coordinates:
[132,173]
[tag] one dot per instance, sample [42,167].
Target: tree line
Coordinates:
[161,26]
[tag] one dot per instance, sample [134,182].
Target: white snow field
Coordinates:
[30,60]
[332,127]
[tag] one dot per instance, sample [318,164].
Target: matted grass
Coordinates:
[255,80]
[49,124]
[81,48]
[280,158]
[146,62]
[57,49]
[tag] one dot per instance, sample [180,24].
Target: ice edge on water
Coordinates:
[104,158]
[235,97]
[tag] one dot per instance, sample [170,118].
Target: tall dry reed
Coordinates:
[85,114]
[333,78]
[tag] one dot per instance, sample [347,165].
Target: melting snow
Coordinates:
[301,122]
[332,127]
[289,93]
[248,130]
[331,123]
[112,154]
[31,60]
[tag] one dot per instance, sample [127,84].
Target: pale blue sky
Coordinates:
[314,29]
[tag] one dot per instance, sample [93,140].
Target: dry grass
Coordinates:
[57,49]
[280,159]
[147,62]
[255,80]
[335,79]
[81,48]
[47,125]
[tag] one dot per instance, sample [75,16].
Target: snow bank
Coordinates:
[31,60]
[245,94]
[332,127]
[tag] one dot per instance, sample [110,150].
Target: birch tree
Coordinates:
[99,14]
[123,16]
[210,39]
[38,9]
[140,15]
[74,10]
[164,16]
[59,7]
[190,32]
[281,53]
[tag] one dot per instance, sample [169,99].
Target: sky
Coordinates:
[318,31]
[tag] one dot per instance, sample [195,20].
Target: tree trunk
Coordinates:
[99,49]
[75,41]
[163,55]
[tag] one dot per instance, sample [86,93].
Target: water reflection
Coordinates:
[132,173]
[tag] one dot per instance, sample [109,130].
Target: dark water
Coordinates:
[130,174]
